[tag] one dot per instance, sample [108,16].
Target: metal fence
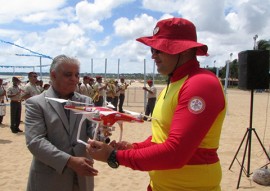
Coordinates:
[136,96]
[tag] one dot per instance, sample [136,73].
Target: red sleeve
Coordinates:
[187,129]
[143,144]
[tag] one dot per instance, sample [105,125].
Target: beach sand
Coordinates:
[15,158]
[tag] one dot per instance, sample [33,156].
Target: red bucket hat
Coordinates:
[173,36]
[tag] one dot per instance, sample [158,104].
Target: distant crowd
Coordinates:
[101,92]
[97,89]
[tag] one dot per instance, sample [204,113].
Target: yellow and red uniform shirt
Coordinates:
[181,154]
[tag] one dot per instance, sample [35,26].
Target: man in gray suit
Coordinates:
[59,162]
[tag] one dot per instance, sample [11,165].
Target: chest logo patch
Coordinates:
[196,105]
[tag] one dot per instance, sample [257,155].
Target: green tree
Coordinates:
[233,70]
[263,45]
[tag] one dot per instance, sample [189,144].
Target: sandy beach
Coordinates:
[15,158]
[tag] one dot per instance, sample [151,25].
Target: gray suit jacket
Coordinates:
[51,138]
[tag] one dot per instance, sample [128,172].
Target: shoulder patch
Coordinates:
[196,105]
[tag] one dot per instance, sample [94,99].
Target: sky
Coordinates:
[105,31]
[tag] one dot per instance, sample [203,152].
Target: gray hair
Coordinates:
[62,59]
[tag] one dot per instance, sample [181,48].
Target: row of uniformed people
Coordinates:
[97,90]
[16,93]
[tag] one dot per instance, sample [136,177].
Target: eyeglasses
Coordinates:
[155,51]
[34,76]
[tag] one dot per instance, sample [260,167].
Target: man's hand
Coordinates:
[99,150]
[122,145]
[82,166]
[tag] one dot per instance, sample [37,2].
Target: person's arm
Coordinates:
[10,94]
[143,144]
[187,130]
[26,92]
[118,90]
[148,90]
[186,133]
[124,145]
[82,166]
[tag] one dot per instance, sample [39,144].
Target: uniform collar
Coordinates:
[185,69]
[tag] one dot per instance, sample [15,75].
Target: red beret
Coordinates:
[85,77]
[15,79]
[98,77]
